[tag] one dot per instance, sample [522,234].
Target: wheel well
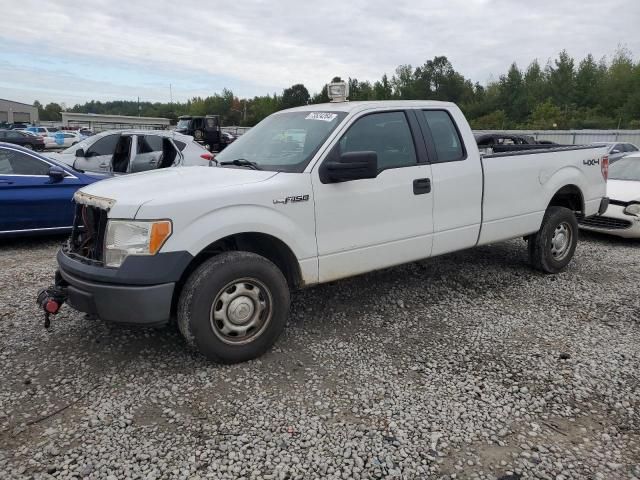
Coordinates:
[570,197]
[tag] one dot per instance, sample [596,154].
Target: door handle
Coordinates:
[421,186]
[104,165]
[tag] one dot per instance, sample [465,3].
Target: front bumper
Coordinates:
[613,222]
[138,294]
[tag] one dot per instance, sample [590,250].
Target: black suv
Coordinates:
[205,130]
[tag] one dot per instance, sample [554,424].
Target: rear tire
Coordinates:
[28,146]
[233,307]
[553,246]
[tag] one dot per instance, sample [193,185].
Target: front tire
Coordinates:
[553,246]
[233,307]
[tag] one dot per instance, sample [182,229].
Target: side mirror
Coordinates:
[56,174]
[350,166]
[80,152]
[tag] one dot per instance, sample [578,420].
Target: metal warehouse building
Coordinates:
[99,122]
[13,112]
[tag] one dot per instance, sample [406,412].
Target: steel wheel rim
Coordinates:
[241,311]
[561,241]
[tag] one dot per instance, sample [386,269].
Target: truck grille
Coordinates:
[87,236]
[604,222]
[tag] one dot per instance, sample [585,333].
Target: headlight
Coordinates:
[633,209]
[131,237]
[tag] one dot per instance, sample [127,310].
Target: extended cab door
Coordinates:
[367,224]
[457,178]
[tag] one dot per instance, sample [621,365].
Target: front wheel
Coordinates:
[552,247]
[234,307]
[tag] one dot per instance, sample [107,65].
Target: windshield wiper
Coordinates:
[242,162]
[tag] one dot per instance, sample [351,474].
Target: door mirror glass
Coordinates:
[56,174]
[350,166]
[80,152]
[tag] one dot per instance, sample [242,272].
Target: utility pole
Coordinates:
[138,105]
[170,95]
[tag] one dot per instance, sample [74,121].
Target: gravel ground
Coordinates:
[466,366]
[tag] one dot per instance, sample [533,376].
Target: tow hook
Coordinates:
[51,299]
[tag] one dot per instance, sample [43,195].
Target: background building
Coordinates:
[99,122]
[13,112]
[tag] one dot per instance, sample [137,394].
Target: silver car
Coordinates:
[131,151]
[617,150]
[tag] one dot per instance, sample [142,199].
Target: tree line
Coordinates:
[564,93]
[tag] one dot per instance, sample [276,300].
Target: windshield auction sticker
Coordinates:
[324,116]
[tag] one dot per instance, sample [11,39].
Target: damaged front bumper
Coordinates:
[140,292]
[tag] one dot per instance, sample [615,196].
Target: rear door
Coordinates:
[148,153]
[367,224]
[457,180]
[29,198]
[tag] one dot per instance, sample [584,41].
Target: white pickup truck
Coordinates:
[311,195]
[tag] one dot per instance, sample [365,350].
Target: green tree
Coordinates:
[547,116]
[295,96]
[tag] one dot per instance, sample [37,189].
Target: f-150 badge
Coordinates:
[292,199]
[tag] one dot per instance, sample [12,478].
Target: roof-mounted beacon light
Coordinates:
[338,91]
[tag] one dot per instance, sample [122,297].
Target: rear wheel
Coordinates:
[28,146]
[234,307]
[553,246]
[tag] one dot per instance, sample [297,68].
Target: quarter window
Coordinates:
[445,136]
[387,134]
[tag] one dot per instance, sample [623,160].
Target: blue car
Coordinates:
[36,192]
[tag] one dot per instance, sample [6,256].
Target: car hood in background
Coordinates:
[623,190]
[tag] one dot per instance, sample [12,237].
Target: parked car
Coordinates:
[48,141]
[364,186]
[43,131]
[64,139]
[205,130]
[24,139]
[618,150]
[36,192]
[622,218]
[130,151]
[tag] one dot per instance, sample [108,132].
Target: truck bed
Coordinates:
[518,187]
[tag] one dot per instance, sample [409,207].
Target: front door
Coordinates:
[368,224]
[97,157]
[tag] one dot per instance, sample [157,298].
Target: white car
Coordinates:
[618,150]
[49,142]
[311,195]
[130,151]
[622,217]
[63,139]
[42,131]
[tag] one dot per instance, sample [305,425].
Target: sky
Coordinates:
[70,51]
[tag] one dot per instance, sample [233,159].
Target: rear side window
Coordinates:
[149,143]
[446,138]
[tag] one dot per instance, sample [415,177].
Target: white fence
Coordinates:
[578,137]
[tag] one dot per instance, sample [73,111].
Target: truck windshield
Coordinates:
[283,142]
[182,124]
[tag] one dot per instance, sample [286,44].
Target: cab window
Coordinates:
[445,136]
[387,133]
[104,146]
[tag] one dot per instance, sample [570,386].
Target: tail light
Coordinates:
[604,167]
[208,156]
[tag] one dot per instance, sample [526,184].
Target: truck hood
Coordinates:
[623,190]
[130,192]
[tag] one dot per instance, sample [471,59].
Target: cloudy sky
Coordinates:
[72,51]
